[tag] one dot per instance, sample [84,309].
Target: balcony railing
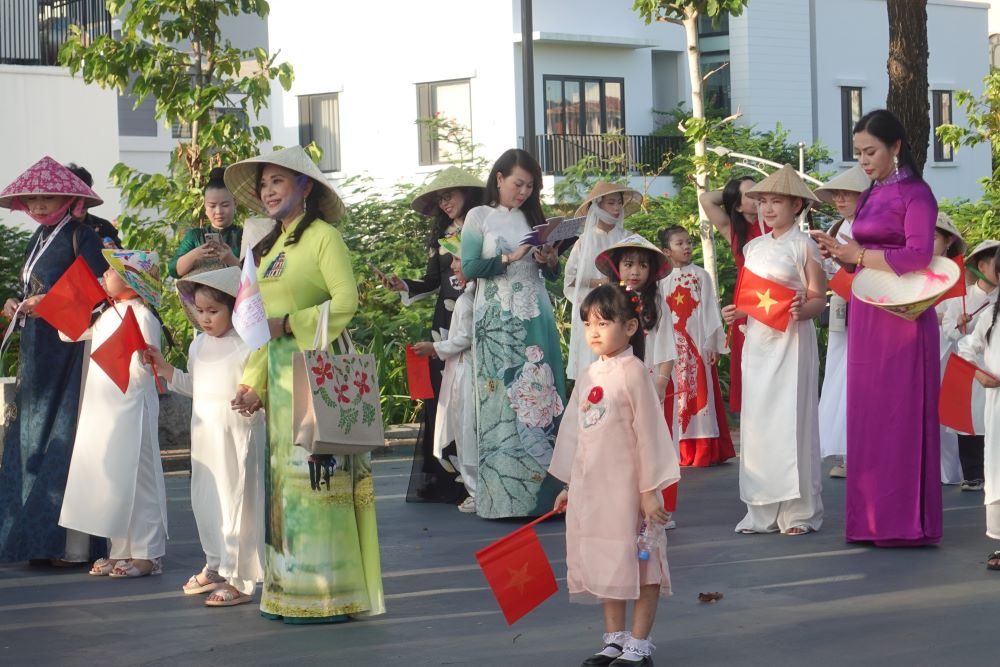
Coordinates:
[33,31]
[624,154]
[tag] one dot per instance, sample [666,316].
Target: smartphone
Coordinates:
[376,271]
[212,237]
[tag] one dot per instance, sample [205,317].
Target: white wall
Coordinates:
[45,112]
[957,42]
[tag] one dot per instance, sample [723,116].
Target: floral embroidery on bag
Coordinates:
[343,373]
[592,411]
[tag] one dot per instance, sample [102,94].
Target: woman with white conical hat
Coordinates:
[321,556]
[779,423]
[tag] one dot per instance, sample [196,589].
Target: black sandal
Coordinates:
[995,557]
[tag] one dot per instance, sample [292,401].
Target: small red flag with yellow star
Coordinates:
[764,300]
[518,571]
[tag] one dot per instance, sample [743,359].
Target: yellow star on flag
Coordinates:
[765,301]
[679,299]
[519,578]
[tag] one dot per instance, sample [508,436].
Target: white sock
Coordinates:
[618,638]
[637,649]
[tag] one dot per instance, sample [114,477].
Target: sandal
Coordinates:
[128,569]
[194,586]
[993,561]
[101,568]
[227,597]
[795,531]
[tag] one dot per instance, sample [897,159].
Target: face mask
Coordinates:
[56,216]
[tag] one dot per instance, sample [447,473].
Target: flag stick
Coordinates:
[156,375]
[964,315]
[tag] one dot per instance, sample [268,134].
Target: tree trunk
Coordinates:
[907,68]
[700,175]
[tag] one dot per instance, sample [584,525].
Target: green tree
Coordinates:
[686,13]
[13,248]
[174,51]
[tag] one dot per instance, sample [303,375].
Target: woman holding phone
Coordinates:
[215,246]
[446,199]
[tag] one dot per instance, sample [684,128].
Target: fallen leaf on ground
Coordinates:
[709,597]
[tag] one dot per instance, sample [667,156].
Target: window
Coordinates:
[448,102]
[713,42]
[584,105]
[942,116]
[850,114]
[319,121]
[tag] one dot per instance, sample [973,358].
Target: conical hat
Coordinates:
[853,180]
[225,280]
[910,294]
[241,179]
[631,199]
[47,177]
[140,270]
[989,246]
[451,245]
[785,181]
[452,178]
[605,264]
[254,231]
[945,224]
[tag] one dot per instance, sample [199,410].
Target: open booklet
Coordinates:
[554,230]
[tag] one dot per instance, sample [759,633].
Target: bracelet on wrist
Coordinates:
[861,258]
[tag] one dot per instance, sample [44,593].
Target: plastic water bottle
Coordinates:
[644,543]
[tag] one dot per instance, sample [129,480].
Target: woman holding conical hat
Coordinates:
[893,367]
[606,206]
[36,453]
[779,426]
[842,192]
[446,200]
[321,555]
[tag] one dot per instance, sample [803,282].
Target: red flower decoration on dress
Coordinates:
[322,370]
[361,382]
[595,395]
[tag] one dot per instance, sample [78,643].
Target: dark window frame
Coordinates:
[942,151]
[581,80]
[428,149]
[329,162]
[847,120]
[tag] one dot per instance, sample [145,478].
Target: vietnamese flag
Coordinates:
[418,375]
[67,306]
[114,356]
[841,284]
[955,402]
[764,300]
[518,571]
[958,289]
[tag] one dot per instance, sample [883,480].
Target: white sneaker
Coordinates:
[468,506]
[670,524]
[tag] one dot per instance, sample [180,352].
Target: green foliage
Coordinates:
[455,141]
[173,51]
[678,10]
[13,247]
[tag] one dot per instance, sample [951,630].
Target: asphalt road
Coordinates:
[812,600]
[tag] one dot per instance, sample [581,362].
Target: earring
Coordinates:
[895,164]
[305,204]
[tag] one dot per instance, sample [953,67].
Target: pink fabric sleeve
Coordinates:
[918,228]
[564,453]
[656,457]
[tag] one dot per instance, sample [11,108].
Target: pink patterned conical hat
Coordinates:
[47,177]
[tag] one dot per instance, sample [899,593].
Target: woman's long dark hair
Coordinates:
[473,198]
[612,302]
[887,128]
[311,214]
[515,157]
[732,196]
[650,310]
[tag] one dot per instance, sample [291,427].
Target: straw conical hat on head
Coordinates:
[606,265]
[988,246]
[944,224]
[47,177]
[241,179]
[786,181]
[631,199]
[254,231]
[853,180]
[452,178]
[140,270]
[225,280]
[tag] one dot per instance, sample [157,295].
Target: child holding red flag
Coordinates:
[612,439]
[699,419]
[980,349]
[115,486]
[227,483]
[779,423]
[960,318]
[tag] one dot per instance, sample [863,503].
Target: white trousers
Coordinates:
[147,534]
